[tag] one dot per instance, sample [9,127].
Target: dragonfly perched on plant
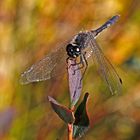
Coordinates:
[76,49]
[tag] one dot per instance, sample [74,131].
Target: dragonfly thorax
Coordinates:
[73,50]
[75,47]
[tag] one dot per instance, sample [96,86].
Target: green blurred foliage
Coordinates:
[29,29]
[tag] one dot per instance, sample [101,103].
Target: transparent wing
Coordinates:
[45,69]
[105,68]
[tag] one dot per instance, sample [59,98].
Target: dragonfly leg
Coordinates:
[67,61]
[80,63]
[86,64]
[76,63]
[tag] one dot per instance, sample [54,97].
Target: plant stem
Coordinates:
[70,131]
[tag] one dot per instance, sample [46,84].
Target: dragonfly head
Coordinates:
[73,50]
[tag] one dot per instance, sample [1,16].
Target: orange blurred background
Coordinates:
[29,30]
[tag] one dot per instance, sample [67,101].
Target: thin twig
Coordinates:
[70,131]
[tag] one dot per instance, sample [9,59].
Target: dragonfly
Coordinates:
[77,49]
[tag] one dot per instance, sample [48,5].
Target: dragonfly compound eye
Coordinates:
[77,50]
[73,50]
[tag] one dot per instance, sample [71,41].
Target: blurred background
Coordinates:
[31,29]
